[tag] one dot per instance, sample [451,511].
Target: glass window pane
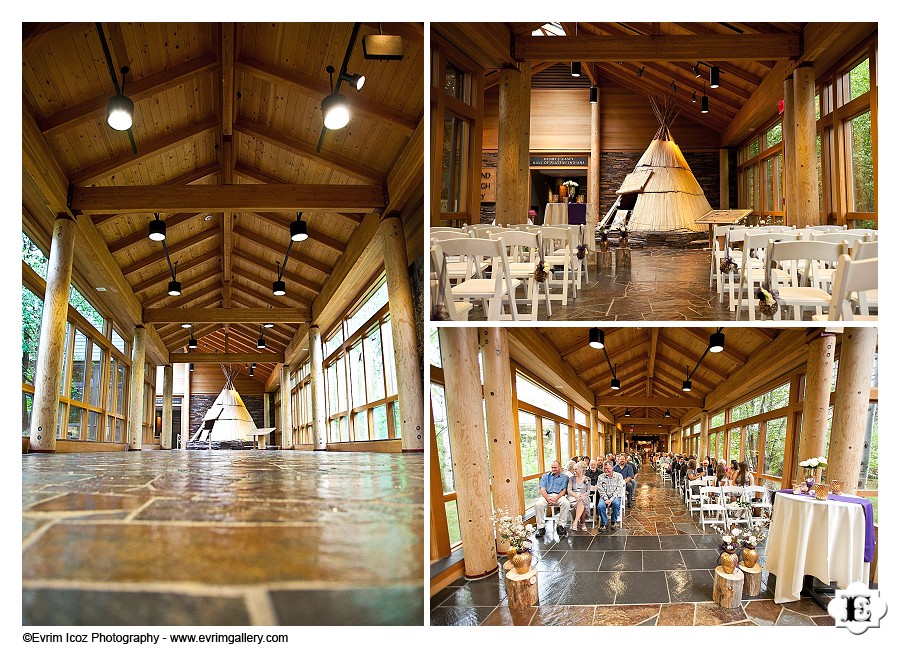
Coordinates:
[442,437]
[367,309]
[357,374]
[454,81]
[374,365]
[345,428]
[59,420]
[434,348]
[528,443]
[117,341]
[773,461]
[120,388]
[869,472]
[27,407]
[753,149]
[863,185]
[93,426]
[734,444]
[859,80]
[76,390]
[533,394]
[770,187]
[120,437]
[819,165]
[548,429]
[74,429]
[62,379]
[751,188]
[379,421]
[397,431]
[333,342]
[532,491]
[717,420]
[387,353]
[564,447]
[32,309]
[81,304]
[33,256]
[773,135]
[96,368]
[453,522]
[107,434]
[361,426]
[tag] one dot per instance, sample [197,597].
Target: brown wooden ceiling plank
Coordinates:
[34,33]
[220,198]
[308,85]
[303,282]
[270,333]
[95,108]
[241,291]
[280,248]
[106,168]
[709,359]
[174,248]
[284,221]
[182,267]
[644,401]
[656,48]
[191,298]
[277,301]
[684,79]
[307,150]
[701,335]
[181,339]
[189,287]
[406,176]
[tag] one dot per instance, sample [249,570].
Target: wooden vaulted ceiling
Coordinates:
[651,364]
[223,104]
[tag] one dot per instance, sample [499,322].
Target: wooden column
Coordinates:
[596,443]
[51,346]
[267,416]
[788,133]
[805,145]
[165,436]
[506,472]
[136,402]
[186,407]
[514,120]
[724,199]
[593,196]
[523,195]
[403,334]
[462,387]
[317,387]
[819,367]
[704,434]
[851,404]
[287,425]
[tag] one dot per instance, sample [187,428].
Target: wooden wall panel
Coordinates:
[209,379]
[560,121]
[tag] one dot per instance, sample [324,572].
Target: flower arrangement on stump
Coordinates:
[603,246]
[623,236]
[512,530]
[738,545]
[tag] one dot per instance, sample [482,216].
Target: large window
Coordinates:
[761,174]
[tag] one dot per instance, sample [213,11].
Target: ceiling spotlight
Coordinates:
[627,412]
[335,111]
[191,367]
[120,109]
[714,77]
[593,94]
[596,338]
[298,229]
[686,386]
[268,325]
[356,80]
[576,68]
[717,342]
[192,343]
[659,425]
[251,371]
[174,288]
[157,229]
[615,384]
[185,325]
[697,70]
[279,288]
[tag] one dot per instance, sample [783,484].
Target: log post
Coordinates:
[728,588]
[523,189]
[465,422]
[287,427]
[851,404]
[136,409]
[819,367]
[724,198]
[704,434]
[595,434]
[593,197]
[805,146]
[317,388]
[403,334]
[514,126]
[752,579]
[263,441]
[51,346]
[506,475]
[165,436]
[186,407]
[788,133]
[521,589]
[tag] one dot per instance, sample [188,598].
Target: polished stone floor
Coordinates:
[656,570]
[222,538]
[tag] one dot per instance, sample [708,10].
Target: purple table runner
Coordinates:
[869,552]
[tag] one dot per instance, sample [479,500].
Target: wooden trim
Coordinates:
[376,445]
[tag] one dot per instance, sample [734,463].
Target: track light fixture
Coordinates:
[697,70]
[298,229]
[576,68]
[261,342]
[356,80]
[704,102]
[335,111]
[596,338]
[694,97]
[157,231]
[717,341]
[251,370]
[593,94]
[119,108]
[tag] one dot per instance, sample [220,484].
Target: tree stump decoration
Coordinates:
[728,588]
[623,257]
[521,589]
[752,579]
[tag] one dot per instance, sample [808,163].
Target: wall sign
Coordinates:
[488,184]
[558,160]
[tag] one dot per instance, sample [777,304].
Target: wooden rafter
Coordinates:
[276,301]
[172,221]
[189,287]
[174,248]
[303,282]
[215,358]
[226,315]
[644,401]
[279,247]
[162,277]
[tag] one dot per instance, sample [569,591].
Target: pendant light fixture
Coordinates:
[668,413]
[157,230]
[191,367]
[268,325]
[596,338]
[119,108]
[192,343]
[252,367]
[697,70]
[704,101]
[686,384]
[576,68]
[627,412]
[298,229]
[335,111]
[278,286]
[174,285]
[356,80]
[261,342]
[717,341]
[185,325]
[593,94]
[714,77]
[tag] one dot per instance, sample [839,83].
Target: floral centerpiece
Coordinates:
[572,188]
[739,545]
[810,466]
[514,532]
[542,271]
[604,239]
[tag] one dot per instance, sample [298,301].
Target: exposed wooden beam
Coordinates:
[307,150]
[644,401]
[220,198]
[651,364]
[532,350]
[279,248]
[146,150]
[277,302]
[174,248]
[95,108]
[707,364]
[226,315]
[407,174]
[215,358]
[656,48]
[637,420]
[303,282]
[38,32]
[700,335]
[396,119]
[487,44]
[253,333]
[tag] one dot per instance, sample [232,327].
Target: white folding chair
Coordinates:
[803,289]
[861,252]
[848,238]
[712,510]
[491,291]
[693,495]
[730,496]
[484,231]
[717,255]
[752,273]
[857,277]
[763,504]
[523,249]
[579,266]
[441,289]
[557,252]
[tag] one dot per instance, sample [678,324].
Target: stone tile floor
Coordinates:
[662,284]
[657,570]
[222,538]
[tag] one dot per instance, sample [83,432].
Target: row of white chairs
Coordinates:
[715,503]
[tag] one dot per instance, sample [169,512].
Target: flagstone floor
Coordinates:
[657,570]
[222,538]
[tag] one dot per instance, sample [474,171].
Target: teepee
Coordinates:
[661,193]
[227,424]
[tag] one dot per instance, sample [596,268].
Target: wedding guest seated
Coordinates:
[580,493]
[744,476]
[553,491]
[627,472]
[733,470]
[721,474]
[593,471]
[609,487]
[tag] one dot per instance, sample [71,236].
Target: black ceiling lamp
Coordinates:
[714,77]
[686,385]
[704,101]
[697,70]
[694,97]
[640,72]
[119,108]
[252,367]
[627,412]
[191,367]
[576,68]
[668,413]
[596,338]
[335,109]
[192,343]
[717,341]
[185,325]
[261,342]
[298,229]
[157,231]
[279,288]
[268,325]
[174,285]
[356,80]
[593,94]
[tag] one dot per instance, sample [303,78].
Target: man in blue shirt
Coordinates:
[627,472]
[553,491]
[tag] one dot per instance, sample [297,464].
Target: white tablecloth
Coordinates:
[556,214]
[825,539]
